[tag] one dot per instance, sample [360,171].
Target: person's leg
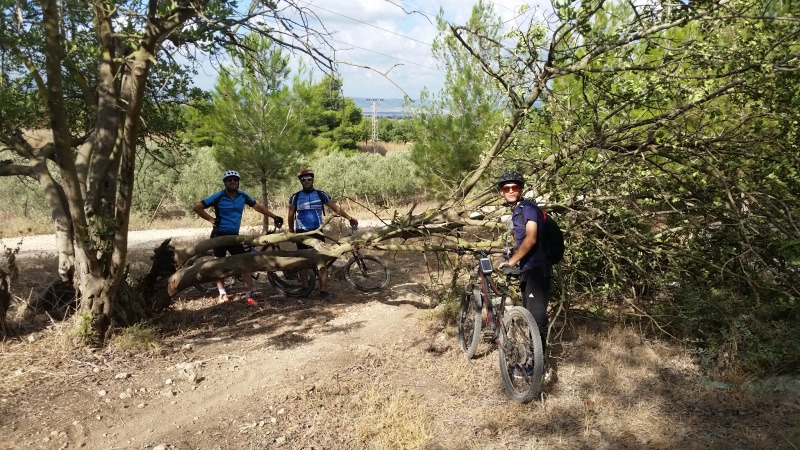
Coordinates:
[247,278]
[220,252]
[323,274]
[323,279]
[535,299]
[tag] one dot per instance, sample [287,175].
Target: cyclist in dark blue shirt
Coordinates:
[306,208]
[228,207]
[526,220]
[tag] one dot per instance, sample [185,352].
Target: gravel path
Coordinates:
[44,244]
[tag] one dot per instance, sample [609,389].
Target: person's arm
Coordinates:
[338,210]
[265,211]
[531,230]
[290,218]
[201,211]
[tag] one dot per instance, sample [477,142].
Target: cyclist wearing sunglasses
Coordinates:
[228,207]
[306,208]
[526,220]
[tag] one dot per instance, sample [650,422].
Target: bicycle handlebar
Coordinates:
[479,251]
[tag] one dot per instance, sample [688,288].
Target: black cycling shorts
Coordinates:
[318,236]
[235,249]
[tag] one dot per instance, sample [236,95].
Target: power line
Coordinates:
[388,56]
[369,24]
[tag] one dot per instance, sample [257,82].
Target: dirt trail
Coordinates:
[377,371]
[238,374]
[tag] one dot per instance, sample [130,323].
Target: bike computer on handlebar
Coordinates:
[486,265]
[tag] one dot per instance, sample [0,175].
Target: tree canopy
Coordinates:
[103,78]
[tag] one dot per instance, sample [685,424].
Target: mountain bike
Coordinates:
[365,272]
[512,330]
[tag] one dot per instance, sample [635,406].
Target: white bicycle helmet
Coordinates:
[230,173]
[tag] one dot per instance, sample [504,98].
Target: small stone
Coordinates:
[141,405]
[160,447]
[168,381]
[102,393]
[96,370]
[124,395]
[122,376]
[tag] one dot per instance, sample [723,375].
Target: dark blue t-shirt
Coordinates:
[524,212]
[228,211]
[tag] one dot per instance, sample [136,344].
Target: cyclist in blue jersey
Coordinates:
[306,208]
[228,207]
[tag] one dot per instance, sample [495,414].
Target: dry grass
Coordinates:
[41,356]
[394,421]
[21,226]
[382,148]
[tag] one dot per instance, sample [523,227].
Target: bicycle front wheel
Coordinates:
[367,272]
[294,283]
[469,322]
[209,288]
[521,355]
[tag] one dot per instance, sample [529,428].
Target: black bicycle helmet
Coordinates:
[510,176]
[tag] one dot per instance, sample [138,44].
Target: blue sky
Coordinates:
[378,34]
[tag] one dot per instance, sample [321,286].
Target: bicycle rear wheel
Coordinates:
[209,288]
[294,283]
[469,322]
[367,272]
[521,355]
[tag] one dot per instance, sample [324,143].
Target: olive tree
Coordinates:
[84,85]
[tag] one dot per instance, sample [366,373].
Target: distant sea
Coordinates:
[387,107]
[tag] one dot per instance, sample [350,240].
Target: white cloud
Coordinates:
[378,34]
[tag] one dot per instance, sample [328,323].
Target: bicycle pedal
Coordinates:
[489,335]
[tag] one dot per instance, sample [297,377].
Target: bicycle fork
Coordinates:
[491,333]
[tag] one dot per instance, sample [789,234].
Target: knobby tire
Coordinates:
[298,283]
[367,273]
[521,355]
[209,288]
[469,322]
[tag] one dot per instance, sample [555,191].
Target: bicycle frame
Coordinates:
[492,312]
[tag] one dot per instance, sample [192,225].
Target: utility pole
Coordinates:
[375,102]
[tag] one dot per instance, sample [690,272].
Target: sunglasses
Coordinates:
[228,180]
[306,178]
[509,188]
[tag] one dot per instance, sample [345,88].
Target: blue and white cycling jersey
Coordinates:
[228,211]
[309,207]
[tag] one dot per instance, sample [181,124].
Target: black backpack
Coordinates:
[551,239]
